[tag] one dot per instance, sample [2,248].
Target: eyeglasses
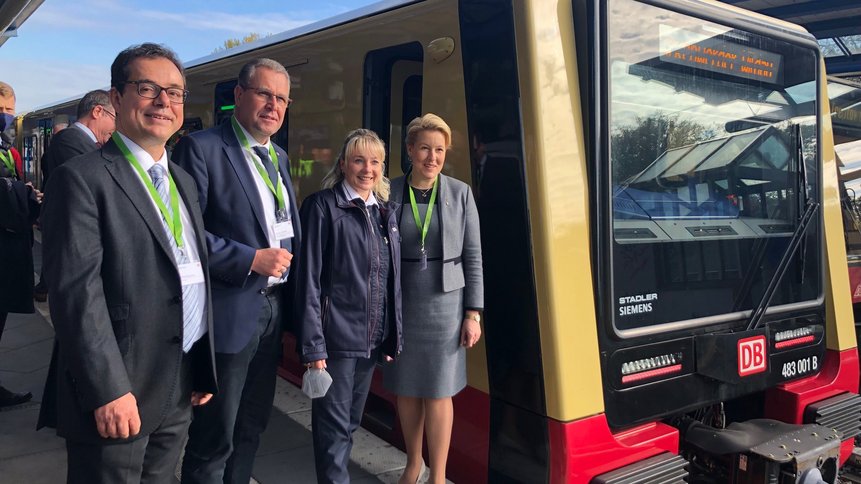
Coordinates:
[151,90]
[109,113]
[280,101]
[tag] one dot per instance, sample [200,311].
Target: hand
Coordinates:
[200,398]
[470,332]
[271,262]
[36,192]
[319,364]
[119,419]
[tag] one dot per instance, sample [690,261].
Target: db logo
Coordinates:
[751,355]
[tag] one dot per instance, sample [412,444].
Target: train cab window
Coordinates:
[713,151]
[393,95]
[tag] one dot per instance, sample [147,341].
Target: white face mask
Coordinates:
[316,382]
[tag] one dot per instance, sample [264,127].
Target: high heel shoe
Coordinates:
[423,474]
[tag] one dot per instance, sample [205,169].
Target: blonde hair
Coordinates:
[360,139]
[429,121]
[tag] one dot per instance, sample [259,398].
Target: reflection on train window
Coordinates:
[710,139]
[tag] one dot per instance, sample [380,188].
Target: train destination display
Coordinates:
[717,53]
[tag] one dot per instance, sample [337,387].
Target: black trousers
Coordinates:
[3,317]
[335,416]
[225,433]
[151,459]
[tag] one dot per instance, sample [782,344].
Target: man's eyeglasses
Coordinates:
[280,101]
[109,113]
[151,90]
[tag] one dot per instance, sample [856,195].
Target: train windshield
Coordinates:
[713,158]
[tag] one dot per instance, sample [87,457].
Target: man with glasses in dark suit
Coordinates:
[125,260]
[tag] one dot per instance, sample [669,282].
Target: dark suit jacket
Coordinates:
[18,210]
[115,296]
[65,145]
[235,228]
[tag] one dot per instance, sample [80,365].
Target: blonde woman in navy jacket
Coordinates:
[443,294]
[348,307]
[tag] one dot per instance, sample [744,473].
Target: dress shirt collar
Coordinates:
[145,160]
[252,142]
[85,129]
[352,194]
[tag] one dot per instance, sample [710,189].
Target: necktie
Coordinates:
[193,296]
[263,153]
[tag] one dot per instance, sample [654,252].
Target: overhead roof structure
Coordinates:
[13,13]
[835,23]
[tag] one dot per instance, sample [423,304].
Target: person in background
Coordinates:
[443,293]
[126,265]
[19,208]
[252,229]
[96,122]
[92,129]
[348,298]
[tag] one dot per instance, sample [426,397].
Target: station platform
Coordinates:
[285,454]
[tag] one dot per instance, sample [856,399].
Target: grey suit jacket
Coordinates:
[65,145]
[461,238]
[115,296]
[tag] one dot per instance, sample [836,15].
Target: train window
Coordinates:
[712,148]
[393,90]
[224,100]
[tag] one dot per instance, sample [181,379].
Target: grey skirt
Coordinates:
[432,363]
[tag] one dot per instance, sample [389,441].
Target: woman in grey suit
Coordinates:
[443,294]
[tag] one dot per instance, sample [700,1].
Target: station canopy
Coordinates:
[835,23]
[13,13]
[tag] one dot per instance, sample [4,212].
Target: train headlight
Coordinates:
[646,368]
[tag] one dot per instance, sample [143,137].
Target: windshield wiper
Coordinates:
[811,207]
[797,236]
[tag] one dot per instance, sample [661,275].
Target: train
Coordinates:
[666,293]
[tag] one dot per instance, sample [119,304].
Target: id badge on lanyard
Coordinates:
[283,227]
[191,273]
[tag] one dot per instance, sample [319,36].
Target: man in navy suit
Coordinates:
[252,229]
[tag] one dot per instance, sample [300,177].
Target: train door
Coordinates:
[393,97]
[406,104]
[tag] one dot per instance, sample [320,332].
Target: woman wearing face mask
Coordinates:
[443,293]
[19,208]
[348,300]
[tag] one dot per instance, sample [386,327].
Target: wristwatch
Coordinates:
[475,317]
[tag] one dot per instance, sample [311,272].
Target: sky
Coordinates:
[66,47]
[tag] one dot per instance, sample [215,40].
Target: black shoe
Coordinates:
[9,398]
[40,292]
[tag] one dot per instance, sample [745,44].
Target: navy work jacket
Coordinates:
[333,278]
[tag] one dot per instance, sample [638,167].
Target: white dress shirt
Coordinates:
[88,131]
[267,198]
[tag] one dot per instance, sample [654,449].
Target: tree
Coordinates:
[231,43]
[633,147]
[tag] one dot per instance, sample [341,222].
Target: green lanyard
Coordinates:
[175,222]
[276,190]
[423,227]
[9,162]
